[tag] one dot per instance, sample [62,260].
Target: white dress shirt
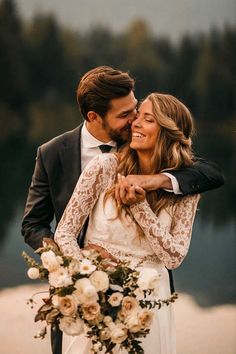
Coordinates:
[90,148]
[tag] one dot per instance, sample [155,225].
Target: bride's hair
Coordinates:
[173,149]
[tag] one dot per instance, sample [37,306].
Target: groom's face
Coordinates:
[117,122]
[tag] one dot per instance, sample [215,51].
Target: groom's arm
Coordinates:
[202,176]
[39,211]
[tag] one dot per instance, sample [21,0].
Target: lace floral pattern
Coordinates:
[167,235]
[169,242]
[98,175]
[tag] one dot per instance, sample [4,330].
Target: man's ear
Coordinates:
[93,116]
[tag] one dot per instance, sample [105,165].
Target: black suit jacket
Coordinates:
[57,169]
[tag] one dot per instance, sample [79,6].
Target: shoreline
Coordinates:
[198,330]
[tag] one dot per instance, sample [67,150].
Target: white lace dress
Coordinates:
[165,242]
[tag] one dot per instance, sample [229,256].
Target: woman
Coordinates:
[155,230]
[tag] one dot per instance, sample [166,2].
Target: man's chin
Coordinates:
[121,138]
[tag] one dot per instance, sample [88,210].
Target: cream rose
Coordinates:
[129,304]
[91,311]
[148,279]
[50,261]
[100,280]
[60,278]
[71,326]
[132,322]
[145,318]
[33,273]
[115,299]
[66,304]
[118,333]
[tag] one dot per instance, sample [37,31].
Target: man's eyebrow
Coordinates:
[129,110]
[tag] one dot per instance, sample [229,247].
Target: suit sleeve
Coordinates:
[202,176]
[39,210]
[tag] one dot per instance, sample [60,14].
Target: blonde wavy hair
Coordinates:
[173,149]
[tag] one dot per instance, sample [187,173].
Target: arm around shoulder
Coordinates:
[202,176]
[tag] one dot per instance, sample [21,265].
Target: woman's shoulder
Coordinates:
[105,161]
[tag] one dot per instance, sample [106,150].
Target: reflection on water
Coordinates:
[209,271]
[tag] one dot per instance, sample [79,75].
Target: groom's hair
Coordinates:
[101,85]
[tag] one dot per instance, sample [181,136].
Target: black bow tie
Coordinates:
[105,148]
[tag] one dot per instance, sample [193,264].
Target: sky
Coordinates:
[171,18]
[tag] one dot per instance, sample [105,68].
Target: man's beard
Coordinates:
[120,136]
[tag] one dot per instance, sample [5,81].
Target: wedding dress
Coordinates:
[164,243]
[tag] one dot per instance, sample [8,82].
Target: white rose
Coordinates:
[85,291]
[132,322]
[71,326]
[33,273]
[60,278]
[66,304]
[50,261]
[100,280]
[86,267]
[148,279]
[115,299]
[118,333]
[145,318]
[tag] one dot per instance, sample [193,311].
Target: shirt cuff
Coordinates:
[175,184]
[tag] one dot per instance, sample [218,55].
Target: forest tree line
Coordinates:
[41,64]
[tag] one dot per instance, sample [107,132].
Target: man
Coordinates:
[108,105]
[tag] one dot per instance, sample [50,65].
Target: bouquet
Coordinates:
[109,302]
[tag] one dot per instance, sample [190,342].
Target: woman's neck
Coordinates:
[145,162]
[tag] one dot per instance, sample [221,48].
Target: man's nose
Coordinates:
[132,117]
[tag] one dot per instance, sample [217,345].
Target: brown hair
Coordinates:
[173,149]
[99,86]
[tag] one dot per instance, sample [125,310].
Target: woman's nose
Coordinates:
[136,122]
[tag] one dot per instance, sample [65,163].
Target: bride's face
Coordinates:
[145,129]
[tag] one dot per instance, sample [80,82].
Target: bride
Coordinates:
[153,229]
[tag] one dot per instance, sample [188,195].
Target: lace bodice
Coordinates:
[166,237]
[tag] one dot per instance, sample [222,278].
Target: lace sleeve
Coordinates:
[170,241]
[96,177]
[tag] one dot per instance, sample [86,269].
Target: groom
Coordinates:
[108,105]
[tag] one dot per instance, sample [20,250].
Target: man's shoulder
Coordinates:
[66,139]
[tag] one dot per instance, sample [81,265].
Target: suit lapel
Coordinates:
[70,155]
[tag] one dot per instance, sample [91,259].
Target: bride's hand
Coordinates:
[128,194]
[103,253]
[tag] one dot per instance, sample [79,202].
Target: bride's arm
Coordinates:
[169,242]
[94,179]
